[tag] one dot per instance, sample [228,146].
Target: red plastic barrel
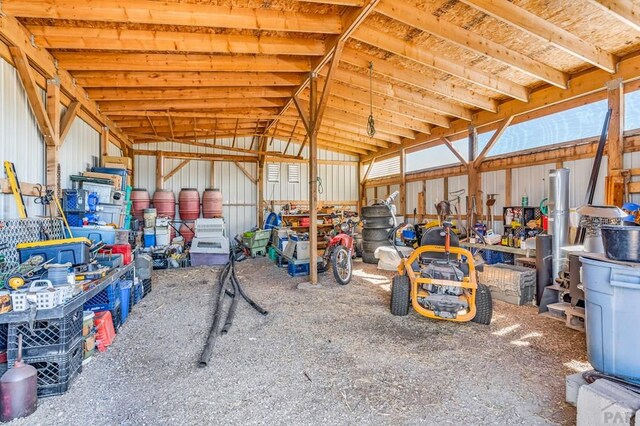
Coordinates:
[189,204]
[211,203]
[139,201]
[165,203]
[187,231]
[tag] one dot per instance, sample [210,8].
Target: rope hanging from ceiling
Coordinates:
[371,124]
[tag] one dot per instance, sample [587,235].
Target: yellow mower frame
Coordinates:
[469,282]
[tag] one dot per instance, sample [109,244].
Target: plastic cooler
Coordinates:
[209,251]
[612,297]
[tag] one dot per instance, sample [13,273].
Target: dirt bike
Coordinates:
[339,253]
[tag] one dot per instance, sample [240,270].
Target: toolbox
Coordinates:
[68,250]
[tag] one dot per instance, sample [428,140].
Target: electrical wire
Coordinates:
[371,124]
[318,180]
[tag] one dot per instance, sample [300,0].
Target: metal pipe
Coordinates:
[558,217]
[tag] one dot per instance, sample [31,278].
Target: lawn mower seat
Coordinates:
[433,237]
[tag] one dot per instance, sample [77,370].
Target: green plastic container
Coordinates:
[273,256]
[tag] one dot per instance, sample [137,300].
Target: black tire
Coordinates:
[341,255]
[376,234]
[371,246]
[369,258]
[484,305]
[369,212]
[378,223]
[400,295]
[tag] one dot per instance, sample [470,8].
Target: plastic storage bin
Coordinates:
[106,234]
[125,297]
[123,249]
[73,250]
[106,300]
[612,297]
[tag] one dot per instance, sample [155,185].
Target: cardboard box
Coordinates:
[117,162]
[116,179]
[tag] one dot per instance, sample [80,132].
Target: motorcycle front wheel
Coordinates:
[342,266]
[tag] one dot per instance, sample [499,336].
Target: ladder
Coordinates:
[10,170]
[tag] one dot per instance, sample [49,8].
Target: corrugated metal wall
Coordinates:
[80,151]
[239,192]
[20,139]
[113,150]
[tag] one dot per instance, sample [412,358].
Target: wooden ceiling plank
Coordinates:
[157,62]
[417,79]
[152,79]
[167,13]
[416,18]
[380,39]
[89,38]
[524,20]
[112,94]
[626,11]
[246,113]
[109,107]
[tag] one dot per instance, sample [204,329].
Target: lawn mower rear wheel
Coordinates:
[400,295]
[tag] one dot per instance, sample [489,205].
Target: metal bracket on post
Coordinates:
[613,84]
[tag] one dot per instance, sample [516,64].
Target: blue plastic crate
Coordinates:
[138,292]
[491,257]
[299,270]
[74,219]
[106,300]
[125,297]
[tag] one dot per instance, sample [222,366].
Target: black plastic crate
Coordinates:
[116,317]
[56,373]
[160,263]
[46,338]
[146,284]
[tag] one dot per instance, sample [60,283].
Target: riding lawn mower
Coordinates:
[439,281]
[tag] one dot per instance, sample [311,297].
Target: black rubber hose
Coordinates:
[253,304]
[217,313]
[232,309]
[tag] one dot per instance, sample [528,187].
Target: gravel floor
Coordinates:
[333,355]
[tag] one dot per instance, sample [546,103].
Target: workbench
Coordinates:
[61,310]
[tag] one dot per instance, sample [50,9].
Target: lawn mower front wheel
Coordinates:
[484,305]
[400,295]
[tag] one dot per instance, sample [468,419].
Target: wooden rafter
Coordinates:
[87,38]
[414,17]
[197,156]
[494,139]
[627,11]
[165,13]
[112,107]
[418,79]
[524,20]
[175,170]
[379,38]
[139,94]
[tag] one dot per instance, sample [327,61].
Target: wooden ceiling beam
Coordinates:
[206,128]
[196,156]
[328,131]
[171,13]
[388,103]
[242,113]
[408,50]
[414,17]
[158,62]
[109,107]
[351,3]
[546,31]
[111,94]
[401,93]
[420,80]
[330,143]
[137,122]
[362,110]
[626,11]
[89,38]
[358,120]
[151,79]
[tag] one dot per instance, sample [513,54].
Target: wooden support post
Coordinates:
[160,171]
[473,178]
[313,184]
[104,142]
[507,187]
[403,182]
[614,189]
[53,149]
[260,190]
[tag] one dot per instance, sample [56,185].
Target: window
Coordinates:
[632,110]
[387,167]
[576,123]
[294,173]
[437,156]
[273,172]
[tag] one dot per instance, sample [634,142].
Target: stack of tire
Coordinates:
[378,223]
